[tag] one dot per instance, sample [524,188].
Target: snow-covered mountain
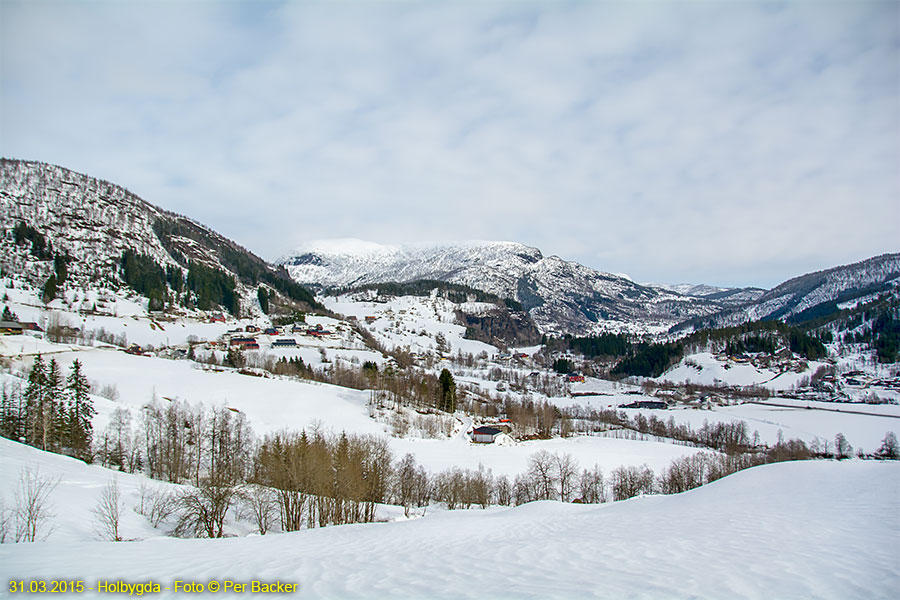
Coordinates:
[93,222]
[801,294]
[560,295]
[813,294]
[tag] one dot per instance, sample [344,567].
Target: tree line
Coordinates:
[53,413]
[209,287]
[249,268]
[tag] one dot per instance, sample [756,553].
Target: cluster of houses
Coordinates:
[782,359]
[250,342]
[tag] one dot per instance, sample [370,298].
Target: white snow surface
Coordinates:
[511,458]
[412,322]
[792,530]
[703,368]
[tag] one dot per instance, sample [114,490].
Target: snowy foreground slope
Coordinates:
[791,530]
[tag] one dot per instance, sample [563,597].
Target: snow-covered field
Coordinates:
[820,529]
[275,404]
[269,404]
[705,369]
[822,420]
[412,322]
[511,460]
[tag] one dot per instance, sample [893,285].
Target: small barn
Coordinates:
[485,435]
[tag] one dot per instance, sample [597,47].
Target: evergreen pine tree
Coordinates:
[263,298]
[50,289]
[80,412]
[12,414]
[34,402]
[54,409]
[61,267]
[448,392]
[9,315]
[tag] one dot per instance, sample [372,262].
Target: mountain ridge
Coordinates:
[567,297]
[561,296]
[92,222]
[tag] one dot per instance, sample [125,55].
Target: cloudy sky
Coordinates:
[732,143]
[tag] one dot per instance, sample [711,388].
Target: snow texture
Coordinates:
[793,530]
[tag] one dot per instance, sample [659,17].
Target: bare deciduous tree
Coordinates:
[405,483]
[503,490]
[203,508]
[542,470]
[260,503]
[842,448]
[32,509]
[627,482]
[567,475]
[592,486]
[157,503]
[889,449]
[6,522]
[108,512]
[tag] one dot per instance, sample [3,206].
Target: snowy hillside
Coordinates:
[51,215]
[561,296]
[792,530]
[814,294]
[93,221]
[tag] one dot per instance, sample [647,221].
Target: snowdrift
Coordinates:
[790,530]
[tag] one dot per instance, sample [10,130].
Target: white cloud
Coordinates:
[727,143]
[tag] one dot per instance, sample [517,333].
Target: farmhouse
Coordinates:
[246,342]
[485,435]
[319,331]
[10,328]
